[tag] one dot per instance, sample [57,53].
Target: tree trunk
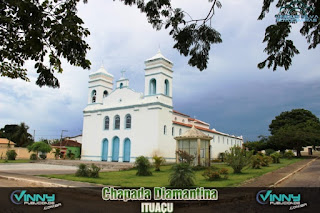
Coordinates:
[298,153]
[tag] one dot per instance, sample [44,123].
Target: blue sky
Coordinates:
[231,94]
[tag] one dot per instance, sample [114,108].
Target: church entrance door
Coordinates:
[105,150]
[126,150]
[115,149]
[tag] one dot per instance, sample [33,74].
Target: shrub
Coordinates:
[275,157]
[158,161]
[93,171]
[289,154]
[237,158]
[224,172]
[185,157]
[269,151]
[256,161]
[266,160]
[33,157]
[82,171]
[57,153]
[221,156]
[211,174]
[43,156]
[11,154]
[85,171]
[143,166]
[182,176]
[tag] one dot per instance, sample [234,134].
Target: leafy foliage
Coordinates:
[39,147]
[185,157]
[192,37]
[279,48]
[269,151]
[143,166]
[33,156]
[260,160]
[94,171]
[211,174]
[275,157]
[85,171]
[238,158]
[11,154]
[158,161]
[294,130]
[17,133]
[289,154]
[182,176]
[38,30]
[82,170]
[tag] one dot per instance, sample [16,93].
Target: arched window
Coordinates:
[180,131]
[93,96]
[117,122]
[121,85]
[182,120]
[165,130]
[172,131]
[128,121]
[106,123]
[153,87]
[166,87]
[105,93]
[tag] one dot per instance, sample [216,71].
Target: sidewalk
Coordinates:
[271,179]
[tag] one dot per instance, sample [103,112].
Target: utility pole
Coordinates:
[34,135]
[61,137]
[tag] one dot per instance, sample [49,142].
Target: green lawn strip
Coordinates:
[128,178]
[16,161]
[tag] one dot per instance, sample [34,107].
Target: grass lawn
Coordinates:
[16,161]
[128,178]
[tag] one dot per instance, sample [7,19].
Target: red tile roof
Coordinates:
[68,143]
[180,113]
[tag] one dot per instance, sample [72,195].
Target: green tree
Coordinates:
[17,133]
[39,147]
[238,158]
[158,161]
[294,130]
[257,145]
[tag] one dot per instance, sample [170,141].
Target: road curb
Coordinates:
[292,173]
[40,183]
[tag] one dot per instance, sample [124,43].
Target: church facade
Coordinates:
[121,124]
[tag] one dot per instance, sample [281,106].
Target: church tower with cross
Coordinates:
[123,82]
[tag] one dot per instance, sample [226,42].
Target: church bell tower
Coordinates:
[100,86]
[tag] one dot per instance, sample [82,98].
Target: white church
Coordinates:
[121,124]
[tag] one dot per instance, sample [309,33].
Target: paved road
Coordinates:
[36,168]
[307,177]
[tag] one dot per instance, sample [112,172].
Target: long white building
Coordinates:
[121,124]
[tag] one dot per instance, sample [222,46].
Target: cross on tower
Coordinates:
[122,73]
